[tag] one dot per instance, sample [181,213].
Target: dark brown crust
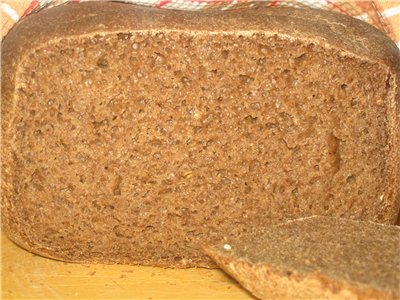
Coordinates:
[353,37]
[46,253]
[332,29]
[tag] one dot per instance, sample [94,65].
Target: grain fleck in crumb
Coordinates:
[227,247]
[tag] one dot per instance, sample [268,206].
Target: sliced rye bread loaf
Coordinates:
[316,258]
[135,135]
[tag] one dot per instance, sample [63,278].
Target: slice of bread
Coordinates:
[134,135]
[315,258]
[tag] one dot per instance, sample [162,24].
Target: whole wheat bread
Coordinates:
[316,258]
[134,135]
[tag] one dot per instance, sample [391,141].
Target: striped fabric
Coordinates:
[383,14]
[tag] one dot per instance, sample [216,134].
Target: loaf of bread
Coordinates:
[135,135]
[316,258]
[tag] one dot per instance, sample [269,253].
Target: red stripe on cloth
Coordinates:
[210,1]
[384,24]
[163,3]
[274,3]
[337,6]
[31,7]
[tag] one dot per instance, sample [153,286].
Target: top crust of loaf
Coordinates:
[327,28]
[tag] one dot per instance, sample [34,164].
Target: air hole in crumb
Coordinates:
[177,258]
[149,228]
[201,201]
[225,54]
[330,197]
[351,179]
[343,86]
[354,102]
[245,79]
[124,36]
[117,185]
[250,119]
[310,47]
[132,59]
[159,59]
[102,63]
[388,82]
[178,73]
[301,57]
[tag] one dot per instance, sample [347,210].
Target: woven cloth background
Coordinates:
[383,14]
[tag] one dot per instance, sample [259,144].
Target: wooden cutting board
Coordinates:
[28,276]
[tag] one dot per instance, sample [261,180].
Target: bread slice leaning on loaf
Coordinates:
[315,258]
[135,135]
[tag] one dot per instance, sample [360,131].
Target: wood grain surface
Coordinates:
[28,276]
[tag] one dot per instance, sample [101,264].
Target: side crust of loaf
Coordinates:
[347,37]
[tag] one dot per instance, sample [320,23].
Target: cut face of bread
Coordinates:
[134,135]
[316,258]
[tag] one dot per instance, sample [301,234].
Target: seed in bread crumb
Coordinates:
[135,46]
[381,197]
[227,247]
[188,174]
